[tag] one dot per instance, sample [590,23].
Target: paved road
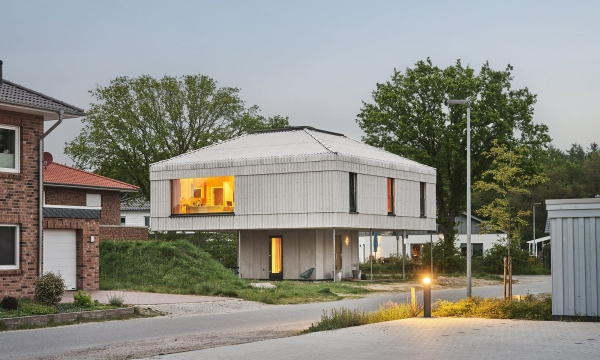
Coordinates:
[421,338]
[53,341]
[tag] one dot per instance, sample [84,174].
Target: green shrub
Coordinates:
[49,289]
[82,299]
[9,303]
[116,300]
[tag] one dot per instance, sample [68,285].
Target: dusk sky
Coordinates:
[313,61]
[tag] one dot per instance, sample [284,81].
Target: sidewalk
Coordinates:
[141,298]
[420,338]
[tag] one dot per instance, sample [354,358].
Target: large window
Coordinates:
[9,148]
[202,195]
[476,249]
[390,196]
[352,192]
[422,199]
[9,247]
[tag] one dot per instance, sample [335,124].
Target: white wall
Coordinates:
[135,218]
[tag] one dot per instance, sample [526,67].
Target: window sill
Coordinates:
[203,214]
[391,214]
[423,217]
[10,271]
[354,212]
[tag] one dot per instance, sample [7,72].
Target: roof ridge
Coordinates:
[42,95]
[319,141]
[91,173]
[388,152]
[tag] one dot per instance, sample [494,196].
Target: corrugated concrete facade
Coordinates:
[575,241]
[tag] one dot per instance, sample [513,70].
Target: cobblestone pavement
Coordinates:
[420,338]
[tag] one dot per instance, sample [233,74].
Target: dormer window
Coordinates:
[9,149]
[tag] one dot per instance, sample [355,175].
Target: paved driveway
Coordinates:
[420,338]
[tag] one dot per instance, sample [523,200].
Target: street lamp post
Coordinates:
[534,243]
[468,103]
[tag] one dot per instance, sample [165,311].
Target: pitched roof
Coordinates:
[63,175]
[289,142]
[137,204]
[14,94]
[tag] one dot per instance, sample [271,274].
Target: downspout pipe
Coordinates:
[41,189]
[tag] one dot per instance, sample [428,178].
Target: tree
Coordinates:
[409,117]
[138,121]
[507,179]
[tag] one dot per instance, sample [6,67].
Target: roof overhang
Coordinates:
[89,187]
[48,114]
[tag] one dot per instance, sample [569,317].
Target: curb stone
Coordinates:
[13,323]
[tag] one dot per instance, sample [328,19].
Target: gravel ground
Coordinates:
[208,307]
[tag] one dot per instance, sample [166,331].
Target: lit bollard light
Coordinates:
[426,297]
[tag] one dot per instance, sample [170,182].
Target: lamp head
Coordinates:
[457,102]
[426,280]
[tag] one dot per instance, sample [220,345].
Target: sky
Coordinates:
[313,61]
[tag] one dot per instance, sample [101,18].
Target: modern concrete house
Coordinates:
[297,198]
[575,243]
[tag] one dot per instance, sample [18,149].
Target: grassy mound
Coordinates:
[165,267]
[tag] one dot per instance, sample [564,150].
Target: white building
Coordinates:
[135,212]
[390,244]
[296,197]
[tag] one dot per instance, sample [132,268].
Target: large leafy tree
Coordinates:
[138,121]
[408,117]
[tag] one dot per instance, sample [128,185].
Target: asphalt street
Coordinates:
[59,340]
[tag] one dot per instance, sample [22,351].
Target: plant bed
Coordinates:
[31,313]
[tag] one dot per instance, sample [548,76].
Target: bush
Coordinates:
[49,289]
[116,300]
[530,308]
[9,303]
[82,299]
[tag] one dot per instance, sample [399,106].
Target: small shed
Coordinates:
[296,197]
[575,242]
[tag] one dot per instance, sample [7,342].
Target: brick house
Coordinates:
[23,113]
[80,209]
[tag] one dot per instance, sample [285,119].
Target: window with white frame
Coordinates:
[9,148]
[122,220]
[9,246]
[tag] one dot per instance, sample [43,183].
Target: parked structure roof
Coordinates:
[137,204]
[19,96]
[66,176]
[289,142]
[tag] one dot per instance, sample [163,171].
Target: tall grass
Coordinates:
[343,318]
[531,308]
[166,267]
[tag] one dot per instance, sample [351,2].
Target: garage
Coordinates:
[60,255]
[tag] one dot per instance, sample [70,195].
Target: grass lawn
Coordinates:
[178,267]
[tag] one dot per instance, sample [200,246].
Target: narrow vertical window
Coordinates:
[352,183]
[390,196]
[422,198]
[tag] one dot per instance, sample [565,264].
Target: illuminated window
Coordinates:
[415,251]
[202,195]
[390,196]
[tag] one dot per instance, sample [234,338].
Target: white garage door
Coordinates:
[60,255]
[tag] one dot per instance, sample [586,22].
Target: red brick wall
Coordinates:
[88,261]
[111,201]
[121,233]
[19,204]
